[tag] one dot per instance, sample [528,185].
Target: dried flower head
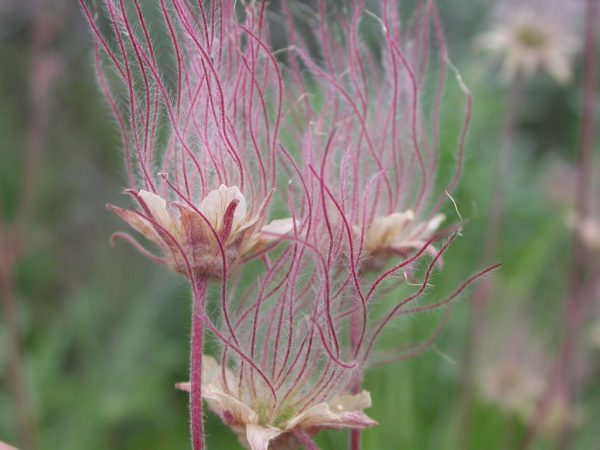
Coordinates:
[532,36]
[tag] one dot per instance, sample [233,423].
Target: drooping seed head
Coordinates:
[260,425]
[207,238]
[199,114]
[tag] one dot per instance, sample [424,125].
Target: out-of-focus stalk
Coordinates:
[44,67]
[582,279]
[16,370]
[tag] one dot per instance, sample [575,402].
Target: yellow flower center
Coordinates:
[531,37]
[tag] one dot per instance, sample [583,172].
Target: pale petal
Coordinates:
[211,374]
[589,232]
[354,402]
[259,217]
[342,412]
[510,68]
[399,220]
[268,234]
[420,233]
[228,406]
[5,446]
[214,205]
[184,386]
[494,40]
[384,230]
[434,224]
[259,437]
[158,208]
[559,67]
[416,245]
[138,223]
[211,370]
[322,416]
[277,227]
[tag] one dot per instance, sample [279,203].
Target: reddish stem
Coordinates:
[355,434]
[355,439]
[196,351]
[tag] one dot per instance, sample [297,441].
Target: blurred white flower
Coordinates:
[515,377]
[532,36]
[513,387]
[588,229]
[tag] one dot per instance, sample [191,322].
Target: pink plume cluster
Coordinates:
[215,127]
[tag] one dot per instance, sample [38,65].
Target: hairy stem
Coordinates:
[355,435]
[196,351]
[355,439]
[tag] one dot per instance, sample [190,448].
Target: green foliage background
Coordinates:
[106,332]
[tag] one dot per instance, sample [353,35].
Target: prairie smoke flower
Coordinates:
[200,132]
[293,348]
[259,426]
[372,144]
[219,231]
[397,234]
[532,36]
